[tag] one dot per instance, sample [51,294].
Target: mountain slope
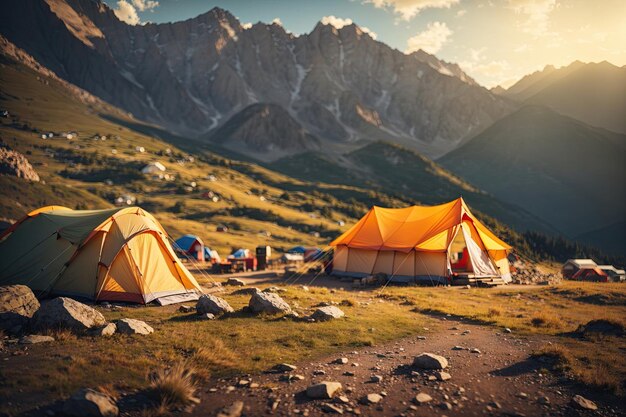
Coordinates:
[192,76]
[394,170]
[594,93]
[567,173]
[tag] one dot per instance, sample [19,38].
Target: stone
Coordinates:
[133,326]
[235,282]
[327,313]
[341,361]
[475,350]
[443,376]
[233,410]
[186,309]
[17,165]
[458,348]
[18,305]
[582,403]
[422,398]
[208,316]
[32,339]
[521,395]
[283,367]
[90,403]
[371,399]
[333,409]
[445,405]
[274,289]
[208,303]
[543,400]
[430,361]
[323,390]
[376,379]
[268,302]
[342,399]
[507,330]
[68,313]
[108,329]
[246,291]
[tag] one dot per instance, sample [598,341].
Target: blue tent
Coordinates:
[297,249]
[186,242]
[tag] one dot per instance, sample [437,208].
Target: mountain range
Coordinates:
[334,108]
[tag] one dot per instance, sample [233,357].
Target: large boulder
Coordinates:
[430,361]
[236,282]
[325,390]
[133,326]
[15,164]
[90,403]
[327,313]
[18,304]
[208,303]
[268,302]
[68,313]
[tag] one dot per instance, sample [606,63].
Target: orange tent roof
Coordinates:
[426,228]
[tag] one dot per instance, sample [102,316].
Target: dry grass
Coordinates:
[173,386]
[546,320]
[494,312]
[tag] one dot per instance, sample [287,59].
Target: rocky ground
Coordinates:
[490,373]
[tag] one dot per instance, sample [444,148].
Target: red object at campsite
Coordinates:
[591,274]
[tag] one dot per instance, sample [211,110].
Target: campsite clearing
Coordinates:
[240,343]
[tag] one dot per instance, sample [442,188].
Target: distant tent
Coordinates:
[153,168]
[191,245]
[240,253]
[119,254]
[297,249]
[421,244]
[572,266]
[594,274]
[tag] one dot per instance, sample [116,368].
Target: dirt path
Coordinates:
[500,380]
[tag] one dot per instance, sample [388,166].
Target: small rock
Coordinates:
[133,326]
[475,350]
[235,282]
[342,399]
[341,361]
[422,398]
[108,329]
[283,367]
[522,395]
[543,400]
[578,401]
[445,405]
[267,302]
[371,399]
[18,305]
[430,361]
[68,313]
[208,303]
[233,410]
[32,339]
[376,379]
[327,313]
[325,389]
[507,330]
[208,316]
[443,376]
[90,403]
[458,348]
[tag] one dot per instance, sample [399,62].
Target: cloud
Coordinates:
[461,12]
[126,12]
[497,72]
[431,40]
[339,22]
[247,25]
[277,21]
[536,13]
[143,5]
[408,9]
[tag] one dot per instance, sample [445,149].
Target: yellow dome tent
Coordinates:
[420,243]
[120,254]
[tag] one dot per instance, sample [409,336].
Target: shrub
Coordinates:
[173,386]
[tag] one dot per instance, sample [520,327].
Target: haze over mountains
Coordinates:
[337,106]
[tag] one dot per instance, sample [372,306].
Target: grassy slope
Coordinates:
[73,172]
[398,171]
[521,160]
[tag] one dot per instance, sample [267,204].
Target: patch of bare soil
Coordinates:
[491,372]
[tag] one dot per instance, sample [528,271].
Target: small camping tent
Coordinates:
[572,266]
[119,254]
[421,244]
[192,246]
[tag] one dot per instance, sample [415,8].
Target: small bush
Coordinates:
[348,303]
[173,386]
[494,312]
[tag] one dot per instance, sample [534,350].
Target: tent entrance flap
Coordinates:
[481,263]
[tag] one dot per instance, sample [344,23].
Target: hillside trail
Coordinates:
[499,379]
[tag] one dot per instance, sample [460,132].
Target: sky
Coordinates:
[495,41]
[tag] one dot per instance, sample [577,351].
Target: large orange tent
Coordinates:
[120,254]
[421,243]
